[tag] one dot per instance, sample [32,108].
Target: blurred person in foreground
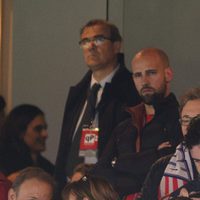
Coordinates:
[32,183]
[23,139]
[89,188]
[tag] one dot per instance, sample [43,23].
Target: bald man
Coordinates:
[154,125]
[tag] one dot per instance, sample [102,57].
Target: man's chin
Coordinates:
[153,98]
[41,149]
[147,99]
[94,66]
[92,61]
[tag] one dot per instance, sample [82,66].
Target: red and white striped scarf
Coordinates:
[177,173]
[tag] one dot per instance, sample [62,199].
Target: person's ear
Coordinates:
[168,74]
[117,46]
[12,194]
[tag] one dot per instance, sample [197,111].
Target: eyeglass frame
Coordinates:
[97,40]
[187,121]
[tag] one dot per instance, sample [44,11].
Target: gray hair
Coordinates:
[30,173]
[191,94]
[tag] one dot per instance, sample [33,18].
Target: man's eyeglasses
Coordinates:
[185,120]
[97,40]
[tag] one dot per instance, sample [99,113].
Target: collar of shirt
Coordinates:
[107,79]
[103,82]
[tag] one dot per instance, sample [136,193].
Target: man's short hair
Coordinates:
[33,173]
[192,94]
[114,31]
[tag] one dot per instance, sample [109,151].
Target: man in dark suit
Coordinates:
[101,45]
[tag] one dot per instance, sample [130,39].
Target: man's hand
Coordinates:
[164,145]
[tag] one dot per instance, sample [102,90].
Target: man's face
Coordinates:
[36,134]
[151,77]
[32,189]
[190,110]
[100,56]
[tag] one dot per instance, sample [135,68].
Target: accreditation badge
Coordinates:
[89,144]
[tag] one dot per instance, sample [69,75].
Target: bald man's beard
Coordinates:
[155,96]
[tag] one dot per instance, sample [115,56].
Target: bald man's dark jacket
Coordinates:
[130,168]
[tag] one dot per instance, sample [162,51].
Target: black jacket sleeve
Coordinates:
[121,142]
[150,187]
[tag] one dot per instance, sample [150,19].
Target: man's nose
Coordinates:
[92,45]
[44,133]
[145,80]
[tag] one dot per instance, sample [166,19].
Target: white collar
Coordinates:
[107,79]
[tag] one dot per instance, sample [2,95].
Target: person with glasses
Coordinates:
[100,42]
[89,188]
[173,171]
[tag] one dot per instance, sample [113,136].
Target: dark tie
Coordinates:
[88,117]
[90,110]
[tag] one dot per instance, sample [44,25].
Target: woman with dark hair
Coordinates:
[22,140]
[89,188]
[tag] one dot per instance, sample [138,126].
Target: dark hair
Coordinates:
[17,122]
[94,188]
[33,173]
[192,137]
[2,103]
[114,31]
[191,94]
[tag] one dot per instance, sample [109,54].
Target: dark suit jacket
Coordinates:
[131,167]
[121,91]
